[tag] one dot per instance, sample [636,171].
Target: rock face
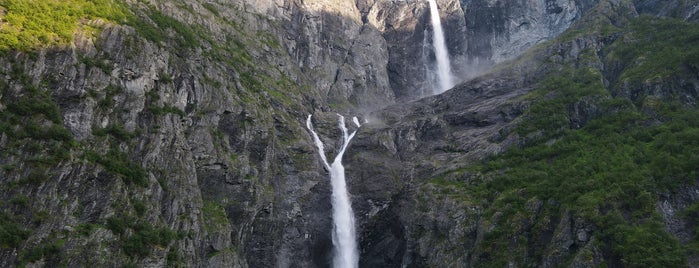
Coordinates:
[479,34]
[325,39]
[346,59]
[501,30]
[178,139]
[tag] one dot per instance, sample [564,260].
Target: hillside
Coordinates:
[172,133]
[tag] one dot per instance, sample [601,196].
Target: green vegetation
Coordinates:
[35,103]
[52,132]
[11,232]
[184,35]
[8,167]
[173,258]
[167,109]
[85,229]
[109,93]
[32,24]
[139,206]
[661,48]
[118,163]
[233,52]
[210,81]
[142,236]
[116,131]
[691,214]
[164,78]
[97,63]
[215,216]
[249,81]
[29,109]
[608,171]
[210,7]
[33,122]
[152,95]
[556,94]
[615,165]
[268,39]
[20,201]
[48,251]
[34,177]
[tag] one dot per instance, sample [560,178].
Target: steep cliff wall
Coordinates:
[396,36]
[175,138]
[172,134]
[479,34]
[501,30]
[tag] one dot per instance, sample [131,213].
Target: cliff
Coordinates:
[171,133]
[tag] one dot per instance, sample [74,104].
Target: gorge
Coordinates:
[170,133]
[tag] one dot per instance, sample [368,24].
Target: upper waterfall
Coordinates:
[440,50]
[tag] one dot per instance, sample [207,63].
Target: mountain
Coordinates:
[172,133]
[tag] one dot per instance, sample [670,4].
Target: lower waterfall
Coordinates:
[345,252]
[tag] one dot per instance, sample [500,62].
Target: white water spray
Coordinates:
[346,254]
[440,50]
[430,72]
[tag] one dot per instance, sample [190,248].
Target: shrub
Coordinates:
[167,109]
[12,234]
[116,162]
[97,63]
[85,229]
[48,251]
[35,103]
[109,93]
[139,242]
[32,24]
[116,131]
[185,36]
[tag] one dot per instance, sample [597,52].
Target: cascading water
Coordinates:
[440,50]
[346,254]
[430,77]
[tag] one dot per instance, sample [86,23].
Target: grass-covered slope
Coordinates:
[31,24]
[607,134]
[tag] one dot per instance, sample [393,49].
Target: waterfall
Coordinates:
[440,50]
[345,253]
[431,86]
